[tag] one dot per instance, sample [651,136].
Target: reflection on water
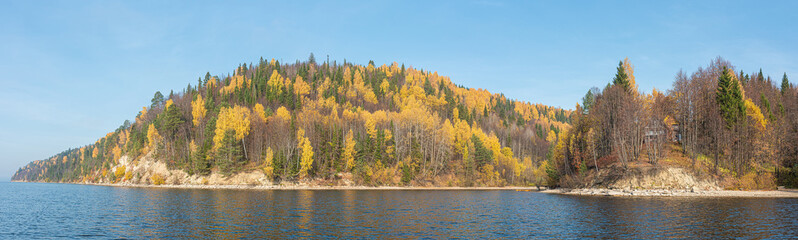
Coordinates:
[74,211]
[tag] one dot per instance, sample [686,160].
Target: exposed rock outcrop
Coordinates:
[145,168]
[667,178]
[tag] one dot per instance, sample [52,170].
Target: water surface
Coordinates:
[39,210]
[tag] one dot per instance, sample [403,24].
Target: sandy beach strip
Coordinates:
[311,187]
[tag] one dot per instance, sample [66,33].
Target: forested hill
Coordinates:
[738,129]
[381,125]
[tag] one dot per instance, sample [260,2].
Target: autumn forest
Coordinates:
[392,125]
[384,125]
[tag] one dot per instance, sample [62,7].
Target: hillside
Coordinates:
[322,122]
[724,127]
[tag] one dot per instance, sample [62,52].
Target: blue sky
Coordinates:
[72,71]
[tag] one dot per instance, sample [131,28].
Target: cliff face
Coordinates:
[667,178]
[149,171]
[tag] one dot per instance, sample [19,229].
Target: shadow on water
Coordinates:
[32,210]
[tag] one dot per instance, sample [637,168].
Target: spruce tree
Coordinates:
[766,107]
[785,84]
[730,98]
[621,78]
[201,165]
[229,154]
[482,155]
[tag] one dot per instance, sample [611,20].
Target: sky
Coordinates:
[72,71]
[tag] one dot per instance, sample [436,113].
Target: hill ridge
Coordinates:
[383,125]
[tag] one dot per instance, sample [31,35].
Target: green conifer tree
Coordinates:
[621,78]
[730,98]
[229,154]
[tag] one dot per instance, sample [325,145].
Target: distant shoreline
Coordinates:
[791,193]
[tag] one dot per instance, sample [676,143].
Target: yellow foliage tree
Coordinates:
[755,113]
[142,115]
[283,113]
[211,83]
[347,76]
[153,137]
[371,128]
[259,111]
[198,110]
[306,156]
[117,151]
[551,137]
[462,137]
[301,87]
[269,162]
[448,130]
[275,81]
[234,118]
[349,151]
[237,81]
[385,85]
[369,96]
[630,72]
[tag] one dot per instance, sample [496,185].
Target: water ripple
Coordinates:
[34,210]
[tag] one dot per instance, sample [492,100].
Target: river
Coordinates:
[43,210]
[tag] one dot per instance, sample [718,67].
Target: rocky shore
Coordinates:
[674,193]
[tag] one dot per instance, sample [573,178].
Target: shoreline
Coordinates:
[598,192]
[302,187]
[790,193]
[291,188]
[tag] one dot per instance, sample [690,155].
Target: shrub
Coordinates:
[787,177]
[120,172]
[157,179]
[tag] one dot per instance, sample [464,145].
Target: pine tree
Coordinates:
[157,99]
[172,119]
[785,84]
